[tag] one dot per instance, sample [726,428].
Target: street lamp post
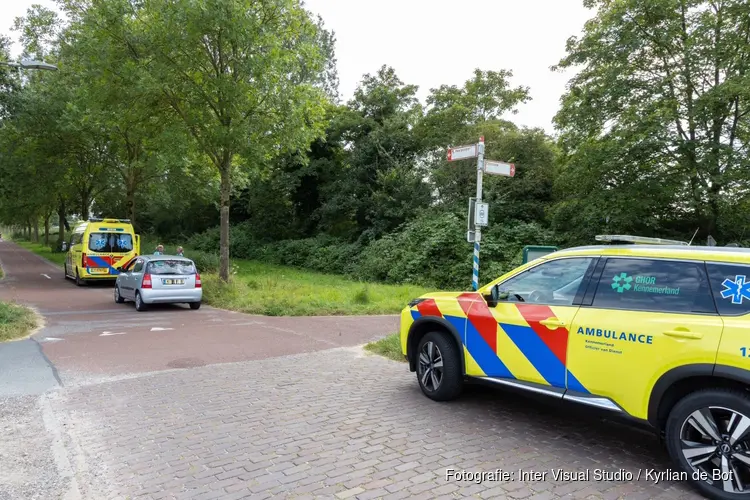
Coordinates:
[31,64]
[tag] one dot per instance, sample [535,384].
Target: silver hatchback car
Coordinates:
[159,279]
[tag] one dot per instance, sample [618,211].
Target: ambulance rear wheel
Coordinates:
[708,437]
[79,281]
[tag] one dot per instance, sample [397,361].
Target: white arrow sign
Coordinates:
[499,168]
[462,152]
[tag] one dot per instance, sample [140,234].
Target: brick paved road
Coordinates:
[337,424]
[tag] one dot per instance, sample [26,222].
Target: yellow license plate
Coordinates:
[98,270]
[172,282]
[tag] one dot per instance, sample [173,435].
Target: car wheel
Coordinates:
[439,370]
[195,305]
[79,281]
[65,270]
[139,304]
[118,297]
[708,438]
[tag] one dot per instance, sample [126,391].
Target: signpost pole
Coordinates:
[478,229]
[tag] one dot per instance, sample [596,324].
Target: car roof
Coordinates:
[680,252]
[150,257]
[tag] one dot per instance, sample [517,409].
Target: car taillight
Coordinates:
[83,261]
[146,281]
[197,280]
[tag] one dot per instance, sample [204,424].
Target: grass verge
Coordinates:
[259,288]
[16,321]
[270,290]
[43,251]
[389,347]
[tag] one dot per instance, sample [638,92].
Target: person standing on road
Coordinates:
[159,250]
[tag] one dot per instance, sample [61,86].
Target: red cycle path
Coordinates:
[86,333]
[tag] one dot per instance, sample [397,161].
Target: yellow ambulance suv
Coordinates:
[99,248]
[653,330]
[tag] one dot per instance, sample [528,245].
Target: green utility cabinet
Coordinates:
[531,252]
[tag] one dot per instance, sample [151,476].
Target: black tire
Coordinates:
[195,305]
[140,306]
[79,281]
[65,271]
[710,406]
[449,377]
[118,297]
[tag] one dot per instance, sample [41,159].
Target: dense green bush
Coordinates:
[242,245]
[431,250]
[205,262]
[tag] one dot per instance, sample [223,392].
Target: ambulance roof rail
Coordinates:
[642,240]
[111,221]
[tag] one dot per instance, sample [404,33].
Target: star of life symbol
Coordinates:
[621,282]
[738,289]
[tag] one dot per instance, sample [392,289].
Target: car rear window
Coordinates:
[181,267]
[111,242]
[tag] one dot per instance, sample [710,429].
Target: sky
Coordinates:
[435,42]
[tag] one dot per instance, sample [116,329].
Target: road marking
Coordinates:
[107,334]
[160,329]
[50,339]
[46,276]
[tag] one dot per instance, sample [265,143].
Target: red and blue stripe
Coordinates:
[544,349]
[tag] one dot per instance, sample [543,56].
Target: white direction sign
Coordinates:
[462,152]
[499,168]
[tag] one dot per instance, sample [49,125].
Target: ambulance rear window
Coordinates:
[110,242]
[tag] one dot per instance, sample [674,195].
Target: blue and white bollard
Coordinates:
[475,277]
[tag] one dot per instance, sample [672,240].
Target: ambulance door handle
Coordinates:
[552,323]
[683,334]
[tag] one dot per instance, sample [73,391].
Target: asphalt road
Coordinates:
[88,337]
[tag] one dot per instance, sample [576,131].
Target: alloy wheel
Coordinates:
[430,367]
[715,441]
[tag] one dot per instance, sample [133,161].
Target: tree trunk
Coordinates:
[85,201]
[36,230]
[226,187]
[46,230]
[130,202]
[61,222]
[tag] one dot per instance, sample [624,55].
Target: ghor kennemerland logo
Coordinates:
[621,282]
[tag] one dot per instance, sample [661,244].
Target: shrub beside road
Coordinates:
[15,321]
[271,290]
[389,347]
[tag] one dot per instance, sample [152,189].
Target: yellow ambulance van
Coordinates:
[99,248]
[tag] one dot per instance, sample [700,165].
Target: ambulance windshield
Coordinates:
[110,242]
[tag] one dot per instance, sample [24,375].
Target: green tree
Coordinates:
[243,76]
[655,125]
[380,182]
